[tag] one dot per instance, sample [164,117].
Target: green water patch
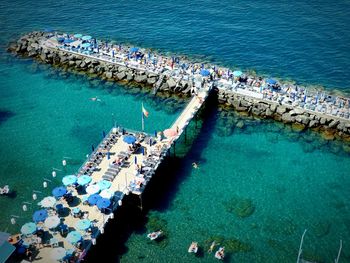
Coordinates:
[232,245]
[241,207]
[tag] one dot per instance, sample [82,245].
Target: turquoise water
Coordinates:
[288,181]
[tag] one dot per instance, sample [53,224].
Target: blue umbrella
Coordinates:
[104,184]
[129,139]
[83,224]
[85,45]
[28,228]
[237,73]
[86,38]
[69,179]
[84,180]
[103,203]
[134,49]
[93,199]
[205,72]
[59,191]
[271,81]
[78,35]
[40,215]
[73,237]
[60,39]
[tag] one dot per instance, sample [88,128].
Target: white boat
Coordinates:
[220,254]
[4,190]
[154,235]
[193,248]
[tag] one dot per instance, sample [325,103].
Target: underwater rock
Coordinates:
[328,135]
[297,127]
[321,229]
[240,124]
[241,207]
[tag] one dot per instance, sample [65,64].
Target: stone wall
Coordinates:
[330,127]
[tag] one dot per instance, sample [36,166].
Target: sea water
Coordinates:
[286,182]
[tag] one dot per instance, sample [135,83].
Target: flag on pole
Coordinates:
[144,111]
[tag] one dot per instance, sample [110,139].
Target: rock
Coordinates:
[164,86]
[121,75]
[122,69]
[109,75]
[323,121]
[313,123]
[286,117]
[151,80]
[140,78]
[328,135]
[43,56]
[268,112]
[78,62]
[296,111]
[281,110]
[273,107]
[71,63]
[302,119]
[240,124]
[129,76]
[333,123]
[298,127]
[245,103]
[171,83]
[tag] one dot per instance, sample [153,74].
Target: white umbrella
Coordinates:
[58,253]
[48,201]
[92,189]
[107,194]
[52,221]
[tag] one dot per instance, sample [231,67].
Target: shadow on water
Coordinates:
[158,195]
[5,115]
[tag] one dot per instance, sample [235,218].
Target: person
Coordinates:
[95,99]
[212,246]
[29,254]
[195,165]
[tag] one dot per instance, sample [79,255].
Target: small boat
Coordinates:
[193,248]
[154,235]
[220,254]
[4,190]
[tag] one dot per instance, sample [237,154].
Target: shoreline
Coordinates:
[308,107]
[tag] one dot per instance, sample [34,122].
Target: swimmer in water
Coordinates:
[95,99]
[195,165]
[212,246]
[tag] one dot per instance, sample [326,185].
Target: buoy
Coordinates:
[120,202]
[44,184]
[64,162]
[24,207]
[13,221]
[87,156]
[53,174]
[35,197]
[93,240]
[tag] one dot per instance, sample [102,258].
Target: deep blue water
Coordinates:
[293,181]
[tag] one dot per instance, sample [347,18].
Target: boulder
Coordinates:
[121,75]
[268,112]
[171,83]
[109,75]
[245,103]
[164,86]
[122,69]
[302,119]
[323,121]
[313,123]
[286,117]
[129,76]
[240,124]
[140,78]
[273,107]
[151,80]
[281,110]
[333,123]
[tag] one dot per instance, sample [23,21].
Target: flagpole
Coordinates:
[142,118]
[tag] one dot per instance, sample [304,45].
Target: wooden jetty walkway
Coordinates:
[127,166]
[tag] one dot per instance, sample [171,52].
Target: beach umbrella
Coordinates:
[83,224]
[85,45]
[86,38]
[84,180]
[58,253]
[205,72]
[237,73]
[93,199]
[92,189]
[169,133]
[52,221]
[40,215]
[67,41]
[271,81]
[59,191]
[48,201]
[130,139]
[69,179]
[106,193]
[73,237]
[134,49]
[103,203]
[78,35]
[104,184]
[28,228]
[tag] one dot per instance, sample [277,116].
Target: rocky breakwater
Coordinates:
[33,45]
[330,127]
